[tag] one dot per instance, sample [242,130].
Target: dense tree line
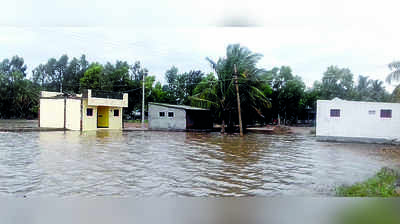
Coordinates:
[266,95]
[18,95]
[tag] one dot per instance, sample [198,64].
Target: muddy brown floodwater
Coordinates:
[144,163]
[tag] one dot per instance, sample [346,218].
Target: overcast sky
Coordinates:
[363,36]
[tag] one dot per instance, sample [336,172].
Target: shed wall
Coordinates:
[178,122]
[356,121]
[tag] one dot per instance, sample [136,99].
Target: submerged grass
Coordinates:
[383,184]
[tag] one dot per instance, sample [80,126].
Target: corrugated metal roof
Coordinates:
[178,106]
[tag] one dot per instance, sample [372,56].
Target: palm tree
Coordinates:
[363,87]
[220,95]
[395,74]
[377,90]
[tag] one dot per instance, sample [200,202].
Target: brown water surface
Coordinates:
[144,163]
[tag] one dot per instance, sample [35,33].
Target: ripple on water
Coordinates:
[177,163]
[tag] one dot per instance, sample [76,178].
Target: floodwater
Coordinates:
[145,163]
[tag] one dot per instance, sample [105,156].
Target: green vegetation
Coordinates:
[220,94]
[383,184]
[266,95]
[375,211]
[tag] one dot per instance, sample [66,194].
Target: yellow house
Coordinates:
[91,110]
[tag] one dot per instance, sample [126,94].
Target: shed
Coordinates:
[178,117]
[91,110]
[357,121]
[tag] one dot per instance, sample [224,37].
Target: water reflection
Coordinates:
[178,163]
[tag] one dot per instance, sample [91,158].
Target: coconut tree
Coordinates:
[220,93]
[395,74]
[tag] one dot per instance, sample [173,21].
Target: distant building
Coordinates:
[370,122]
[90,110]
[178,117]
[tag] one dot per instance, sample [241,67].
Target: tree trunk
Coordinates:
[223,126]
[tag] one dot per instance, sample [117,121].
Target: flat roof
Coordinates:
[338,100]
[184,107]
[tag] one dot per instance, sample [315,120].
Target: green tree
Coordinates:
[18,95]
[363,88]
[93,78]
[287,91]
[220,95]
[378,92]
[337,82]
[74,72]
[158,94]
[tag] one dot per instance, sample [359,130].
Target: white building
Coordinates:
[371,122]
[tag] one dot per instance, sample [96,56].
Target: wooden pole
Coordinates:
[238,100]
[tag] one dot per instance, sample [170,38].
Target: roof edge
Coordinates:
[182,107]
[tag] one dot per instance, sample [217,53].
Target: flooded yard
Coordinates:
[144,163]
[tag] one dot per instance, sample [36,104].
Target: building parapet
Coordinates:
[100,98]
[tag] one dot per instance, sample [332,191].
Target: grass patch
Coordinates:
[383,184]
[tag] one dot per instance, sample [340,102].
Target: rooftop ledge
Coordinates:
[103,98]
[94,97]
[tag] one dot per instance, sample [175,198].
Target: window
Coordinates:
[89,112]
[170,114]
[162,114]
[386,113]
[116,113]
[371,112]
[335,113]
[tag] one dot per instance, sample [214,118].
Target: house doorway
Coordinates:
[102,117]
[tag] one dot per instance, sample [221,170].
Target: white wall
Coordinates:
[52,113]
[178,122]
[73,115]
[355,120]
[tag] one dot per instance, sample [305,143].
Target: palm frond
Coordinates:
[213,64]
[200,101]
[393,76]
[394,65]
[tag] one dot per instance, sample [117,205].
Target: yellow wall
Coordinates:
[115,122]
[107,102]
[90,123]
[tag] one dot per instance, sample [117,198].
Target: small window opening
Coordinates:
[335,113]
[386,113]
[116,113]
[371,112]
[89,112]
[170,114]
[162,114]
